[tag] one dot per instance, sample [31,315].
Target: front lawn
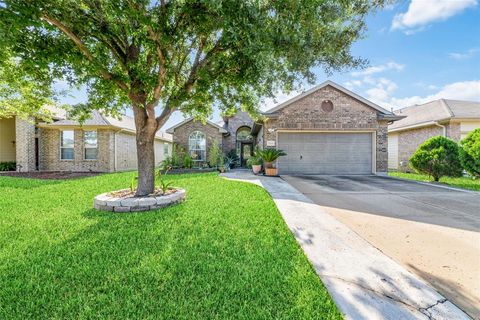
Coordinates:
[463,182]
[223,254]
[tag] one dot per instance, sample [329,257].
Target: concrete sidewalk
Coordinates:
[364,283]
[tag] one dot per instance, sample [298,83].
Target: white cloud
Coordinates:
[463,55]
[420,13]
[378,69]
[463,90]
[382,91]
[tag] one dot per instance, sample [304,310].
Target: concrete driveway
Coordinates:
[433,231]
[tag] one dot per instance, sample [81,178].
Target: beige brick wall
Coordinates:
[50,152]
[181,134]
[127,151]
[7,140]
[25,145]
[410,140]
[348,114]
[453,131]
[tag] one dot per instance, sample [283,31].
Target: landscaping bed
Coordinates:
[49,175]
[225,253]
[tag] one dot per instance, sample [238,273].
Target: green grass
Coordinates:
[464,183]
[225,253]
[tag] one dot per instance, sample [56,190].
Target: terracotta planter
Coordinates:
[256,168]
[271,171]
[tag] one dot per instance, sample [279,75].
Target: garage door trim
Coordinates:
[372,132]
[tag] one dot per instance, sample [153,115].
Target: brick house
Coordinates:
[100,144]
[453,119]
[197,137]
[325,130]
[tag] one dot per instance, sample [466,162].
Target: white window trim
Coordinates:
[204,150]
[85,147]
[62,147]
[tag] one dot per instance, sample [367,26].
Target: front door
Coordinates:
[246,151]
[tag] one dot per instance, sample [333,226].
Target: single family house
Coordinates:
[453,119]
[100,144]
[325,130]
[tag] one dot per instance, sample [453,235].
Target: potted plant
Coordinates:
[269,156]
[255,162]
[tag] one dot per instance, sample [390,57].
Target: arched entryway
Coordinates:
[244,144]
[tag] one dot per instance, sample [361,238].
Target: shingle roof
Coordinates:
[172,129]
[99,120]
[437,110]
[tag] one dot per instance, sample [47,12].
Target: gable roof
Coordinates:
[97,119]
[384,112]
[434,111]
[172,129]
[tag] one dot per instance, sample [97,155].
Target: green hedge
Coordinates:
[470,153]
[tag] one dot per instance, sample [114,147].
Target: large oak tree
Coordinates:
[158,57]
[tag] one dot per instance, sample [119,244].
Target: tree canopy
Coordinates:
[180,55]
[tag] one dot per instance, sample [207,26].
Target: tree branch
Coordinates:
[83,49]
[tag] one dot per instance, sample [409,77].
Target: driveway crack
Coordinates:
[425,311]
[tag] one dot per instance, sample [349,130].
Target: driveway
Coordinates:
[433,231]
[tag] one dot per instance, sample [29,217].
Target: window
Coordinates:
[90,145]
[197,146]
[66,145]
[165,149]
[243,134]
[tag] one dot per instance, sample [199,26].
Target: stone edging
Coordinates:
[106,202]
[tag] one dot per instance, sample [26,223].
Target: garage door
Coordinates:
[325,153]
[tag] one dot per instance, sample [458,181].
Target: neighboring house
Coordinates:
[453,119]
[326,130]
[100,144]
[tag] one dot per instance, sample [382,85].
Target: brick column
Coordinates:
[25,145]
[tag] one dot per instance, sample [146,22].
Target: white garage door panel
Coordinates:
[325,153]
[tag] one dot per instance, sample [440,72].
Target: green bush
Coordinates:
[437,157]
[8,166]
[187,162]
[270,155]
[215,157]
[470,153]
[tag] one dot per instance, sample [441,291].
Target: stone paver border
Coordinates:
[107,202]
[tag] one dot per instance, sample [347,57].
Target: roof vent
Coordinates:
[327,105]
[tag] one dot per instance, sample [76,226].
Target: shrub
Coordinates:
[215,157]
[187,162]
[232,158]
[437,157]
[269,155]
[8,166]
[470,153]
[256,159]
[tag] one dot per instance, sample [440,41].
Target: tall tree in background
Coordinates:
[158,57]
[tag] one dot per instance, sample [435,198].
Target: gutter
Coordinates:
[418,125]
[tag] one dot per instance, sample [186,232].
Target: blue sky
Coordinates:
[418,50]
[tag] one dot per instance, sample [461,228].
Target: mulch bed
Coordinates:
[50,175]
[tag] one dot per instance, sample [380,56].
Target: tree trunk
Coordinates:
[146,164]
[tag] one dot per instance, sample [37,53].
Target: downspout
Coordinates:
[444,128]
